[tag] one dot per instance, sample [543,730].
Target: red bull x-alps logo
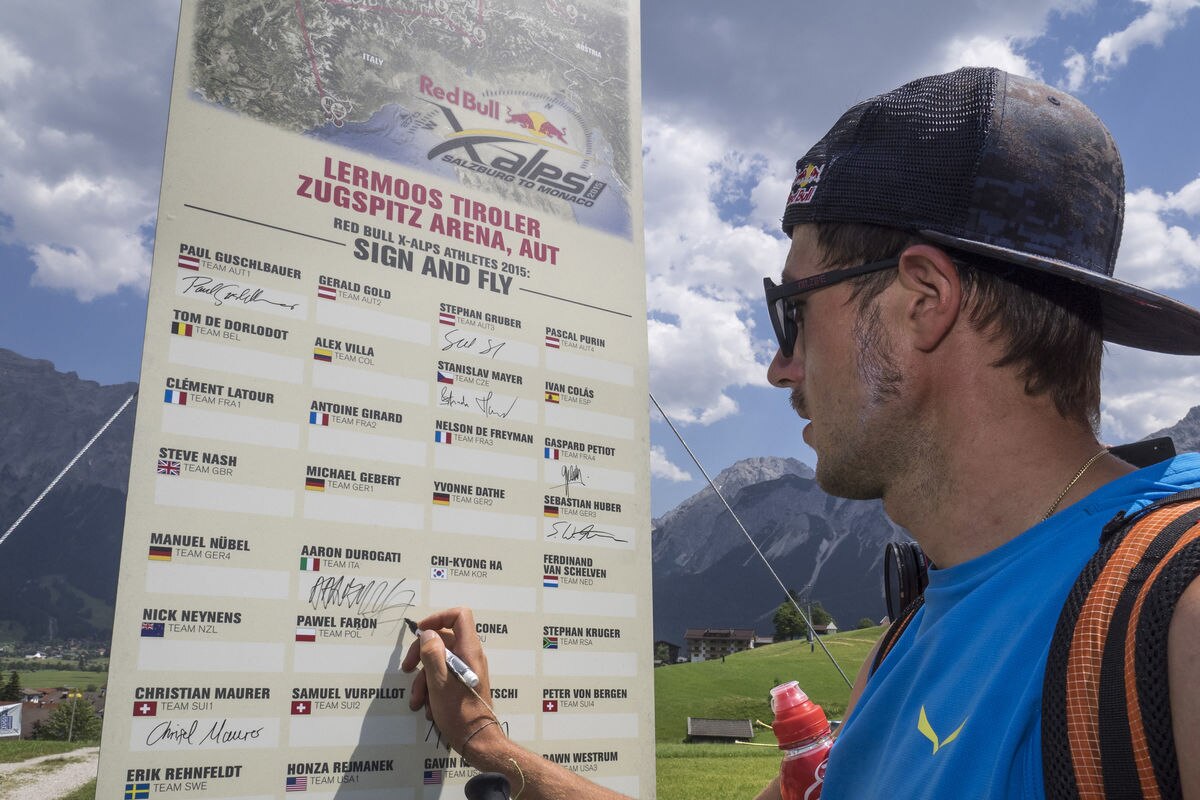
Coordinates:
[805,185]
[546,151]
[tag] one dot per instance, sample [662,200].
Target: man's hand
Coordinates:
[468,723]
[458,712]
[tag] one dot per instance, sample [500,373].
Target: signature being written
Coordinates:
[222,292]
[433,733]
[372,598]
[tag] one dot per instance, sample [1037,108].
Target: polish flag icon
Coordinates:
[301,707]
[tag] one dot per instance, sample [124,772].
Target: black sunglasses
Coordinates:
[782,308]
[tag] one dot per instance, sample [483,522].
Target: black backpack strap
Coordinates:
[894,631]
[1106,717]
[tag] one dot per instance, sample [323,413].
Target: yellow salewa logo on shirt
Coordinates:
[927,730]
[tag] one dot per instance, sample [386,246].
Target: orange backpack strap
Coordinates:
[1106,712]
[894,631]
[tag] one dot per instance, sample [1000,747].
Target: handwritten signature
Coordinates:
[485,405]
[218,733]
[220,292]
[567,531]
[457,340]
[571,475]
[372,598]
[448,398]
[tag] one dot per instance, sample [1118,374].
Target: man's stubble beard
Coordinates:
[867,450]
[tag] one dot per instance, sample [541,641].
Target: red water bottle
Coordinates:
[805,739]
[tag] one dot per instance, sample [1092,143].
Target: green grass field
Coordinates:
[739,688]
[703,771]
[19,750]
[52,678]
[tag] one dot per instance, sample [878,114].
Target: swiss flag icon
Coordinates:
[145,708]
[301,707]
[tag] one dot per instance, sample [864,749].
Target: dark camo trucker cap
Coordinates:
[986,162]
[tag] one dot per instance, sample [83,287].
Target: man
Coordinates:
[940,323]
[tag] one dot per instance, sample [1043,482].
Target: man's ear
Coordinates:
[932,294]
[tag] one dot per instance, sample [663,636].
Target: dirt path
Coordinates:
[48,777]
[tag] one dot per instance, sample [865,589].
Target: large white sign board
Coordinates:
[395,361]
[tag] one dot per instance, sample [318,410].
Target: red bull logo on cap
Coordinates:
[805,184]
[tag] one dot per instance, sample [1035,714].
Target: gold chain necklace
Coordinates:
[1072,482]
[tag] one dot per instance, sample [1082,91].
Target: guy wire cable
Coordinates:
[70,464]
[774,574]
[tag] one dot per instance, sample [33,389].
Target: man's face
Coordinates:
[842,377]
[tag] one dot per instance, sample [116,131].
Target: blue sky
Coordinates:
[733,94]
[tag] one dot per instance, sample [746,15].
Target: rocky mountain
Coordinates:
[1185,433]
[707,575]
[706,540]
[60,564]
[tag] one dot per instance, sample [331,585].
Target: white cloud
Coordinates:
[1076,64]
[14,66]
[704,273]
[1161,17]
[987,51]
[83,99]
[1144,392]
[661,467]
[696,357]
[1156,250]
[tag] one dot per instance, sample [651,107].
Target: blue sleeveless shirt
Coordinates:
[955,708]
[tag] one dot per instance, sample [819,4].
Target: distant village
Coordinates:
[22,666]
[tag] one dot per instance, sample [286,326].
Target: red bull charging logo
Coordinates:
[805,184]
[533,121]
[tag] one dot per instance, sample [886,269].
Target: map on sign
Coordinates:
[537,112]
